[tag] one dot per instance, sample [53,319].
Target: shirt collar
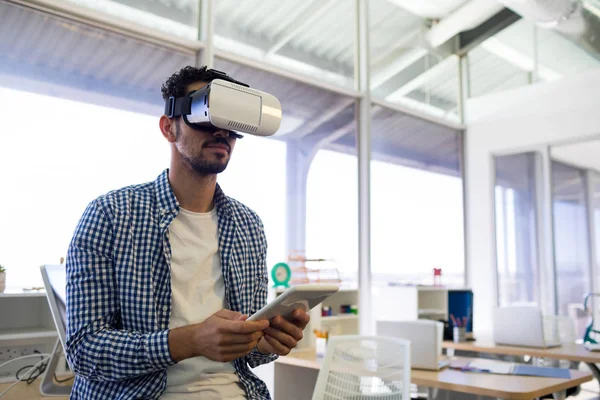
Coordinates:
[168,202]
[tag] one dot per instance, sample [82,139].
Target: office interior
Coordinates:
[456,135]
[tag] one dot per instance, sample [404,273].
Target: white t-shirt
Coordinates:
[198,291]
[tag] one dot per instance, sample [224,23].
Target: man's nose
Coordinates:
[221,133]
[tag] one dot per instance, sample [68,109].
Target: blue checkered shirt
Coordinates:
[119,290]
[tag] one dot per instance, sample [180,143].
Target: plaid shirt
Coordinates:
[119,290]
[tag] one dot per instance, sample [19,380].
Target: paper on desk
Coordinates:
[493,366]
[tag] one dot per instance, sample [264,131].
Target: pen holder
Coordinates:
[459,334]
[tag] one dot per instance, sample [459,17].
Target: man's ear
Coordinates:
[168,128]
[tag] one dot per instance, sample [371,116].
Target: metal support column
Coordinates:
[363,114]
[206,33]
[545,221]
[464,87]
[297,164]
[591,224]
[464,92]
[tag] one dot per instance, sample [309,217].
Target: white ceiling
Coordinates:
[583,154]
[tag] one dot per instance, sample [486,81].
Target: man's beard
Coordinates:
[198,164]
[205,167]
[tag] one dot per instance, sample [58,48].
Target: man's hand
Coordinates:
[283,335]
[224,336]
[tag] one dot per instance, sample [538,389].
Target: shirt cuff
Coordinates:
[157,348]
[256,358]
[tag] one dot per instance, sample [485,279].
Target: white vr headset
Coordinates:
[230,105]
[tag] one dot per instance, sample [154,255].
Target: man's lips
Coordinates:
[219,146]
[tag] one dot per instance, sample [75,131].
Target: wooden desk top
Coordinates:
[571,352]
[24,391]
[485,384]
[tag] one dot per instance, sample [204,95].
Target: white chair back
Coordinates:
[364,368]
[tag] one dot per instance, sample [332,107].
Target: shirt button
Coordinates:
[165,308]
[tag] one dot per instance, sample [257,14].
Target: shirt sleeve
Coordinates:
[95,347]
[255,357]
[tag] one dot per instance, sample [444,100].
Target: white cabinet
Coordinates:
[337,323]
[402,303]
[26,327]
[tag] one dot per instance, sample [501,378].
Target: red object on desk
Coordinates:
[437,276]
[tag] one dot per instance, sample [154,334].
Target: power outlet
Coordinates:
[7,353]
[11,352]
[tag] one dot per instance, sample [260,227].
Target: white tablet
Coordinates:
[304,297]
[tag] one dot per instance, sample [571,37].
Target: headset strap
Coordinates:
[174,107]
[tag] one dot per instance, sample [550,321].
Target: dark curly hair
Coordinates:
[176,83]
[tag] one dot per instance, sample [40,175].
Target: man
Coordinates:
[162,276]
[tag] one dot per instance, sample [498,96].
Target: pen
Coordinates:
[453,320]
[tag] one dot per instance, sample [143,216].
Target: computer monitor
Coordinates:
[55,283]
[425,338]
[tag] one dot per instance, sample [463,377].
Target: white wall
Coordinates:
[541,114]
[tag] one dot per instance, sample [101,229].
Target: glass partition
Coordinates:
[571,240]
[517,263]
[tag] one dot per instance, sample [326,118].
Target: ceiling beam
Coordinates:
[322,118]
[467,40]
[400,63]
[330,138]
[411,39]
[422,77]
[316,11]
[518,59]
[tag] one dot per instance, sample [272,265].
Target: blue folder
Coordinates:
[531,370]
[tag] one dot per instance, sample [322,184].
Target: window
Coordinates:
[417,225]
[177,18]
[516,233]
[312,38]
[332,211]
[55,164]
[571,244]
[256,176]
[416,200]
[71,152]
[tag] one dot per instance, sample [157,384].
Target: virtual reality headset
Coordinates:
[229,105]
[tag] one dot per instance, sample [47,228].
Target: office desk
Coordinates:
[296,375]
[572,352]
[23,391]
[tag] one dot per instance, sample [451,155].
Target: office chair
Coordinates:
[54,277]
[365,368]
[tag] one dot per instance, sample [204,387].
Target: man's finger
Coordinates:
[228,314]
[238,348]
[232,338]
[244,326]
[279,347]
[282,337]
[287,327]
[302,317]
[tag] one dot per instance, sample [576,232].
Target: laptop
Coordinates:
[521,326]
[425,338]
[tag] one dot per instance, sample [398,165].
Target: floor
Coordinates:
[589,391]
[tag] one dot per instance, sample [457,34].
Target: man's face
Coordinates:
[205,151]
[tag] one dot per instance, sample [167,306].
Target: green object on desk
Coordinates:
[589,330]
[281,274]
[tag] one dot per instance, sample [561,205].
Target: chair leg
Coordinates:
[562,395]
[48,387]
